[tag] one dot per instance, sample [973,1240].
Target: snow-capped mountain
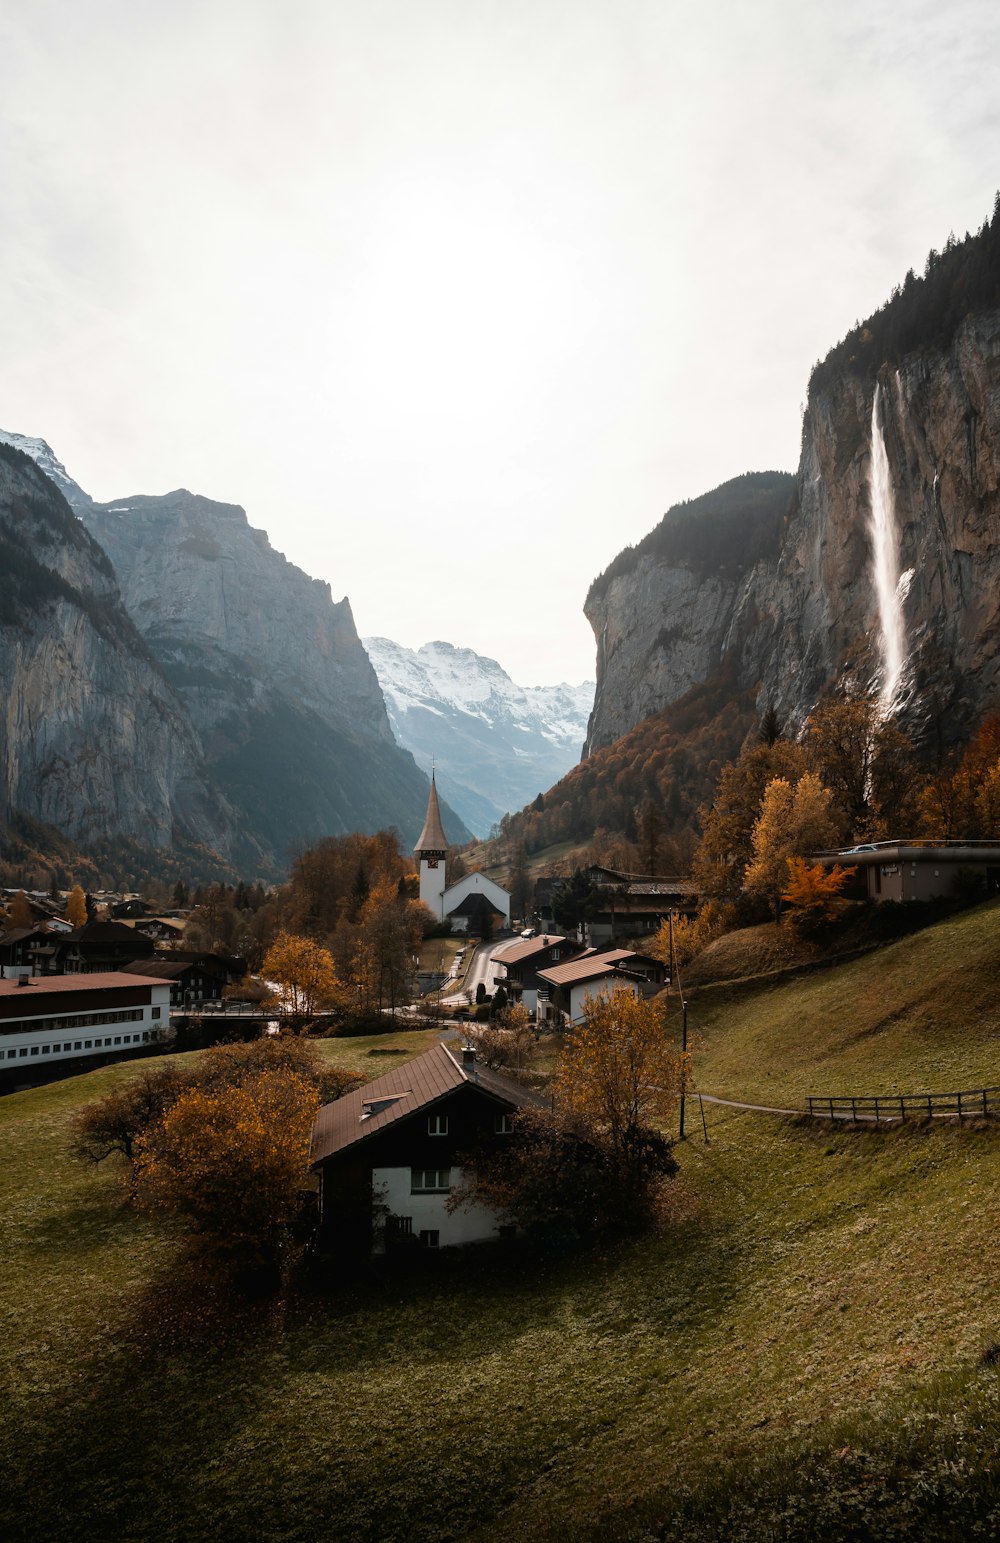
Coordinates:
[495,745]
[45,458]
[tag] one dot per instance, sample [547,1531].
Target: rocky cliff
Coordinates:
[93,740]
[795,611]
[270,668]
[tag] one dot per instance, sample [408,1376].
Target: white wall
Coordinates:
[468,1224]
[36,1046]
[478,883]
[590,990]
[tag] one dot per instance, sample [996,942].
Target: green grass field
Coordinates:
[798,1353]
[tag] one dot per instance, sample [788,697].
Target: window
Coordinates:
[430,1181]
[556,953]
[437,1125]
[87,1044]
[398,1226]
[155,1013]
[430,1237]
[118,1039]
[46,1049]
[77,1045]
[11,1054]
[34,1049]
[502,1124]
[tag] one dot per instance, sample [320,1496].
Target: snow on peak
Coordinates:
[46,460]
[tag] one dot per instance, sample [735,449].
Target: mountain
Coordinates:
[879,565]
[495,744]
[270,669]
[47,461]
[93,740]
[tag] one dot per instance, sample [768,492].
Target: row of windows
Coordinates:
[437,1124]
[75,1021]
[107,1042]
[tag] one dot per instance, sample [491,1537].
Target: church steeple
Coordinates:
[432,838]
[431,850]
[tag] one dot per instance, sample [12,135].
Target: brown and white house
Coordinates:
[389,1155]
[526,959]
[566,988]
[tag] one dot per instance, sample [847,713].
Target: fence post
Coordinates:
[930,1108]
[985,1110]
[902,1108]
[959,1097]
[854,1111]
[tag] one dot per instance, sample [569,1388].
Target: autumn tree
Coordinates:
[76,907]
[304,971]
[813,892]
[112,1125]
[233,1160]
[619,1073]
[19,912]
[794,820]
[869,764]
[726,846]
[507,1042]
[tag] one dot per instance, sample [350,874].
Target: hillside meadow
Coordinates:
[807,1349]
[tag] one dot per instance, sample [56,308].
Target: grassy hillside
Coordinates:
[799,1354]
[919,1015]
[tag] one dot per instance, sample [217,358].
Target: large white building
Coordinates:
[458,903]
[78,1021]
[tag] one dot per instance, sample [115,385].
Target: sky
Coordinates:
[457,297]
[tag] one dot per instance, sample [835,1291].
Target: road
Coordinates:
[481,969]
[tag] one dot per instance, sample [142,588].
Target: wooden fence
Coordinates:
[976,1104]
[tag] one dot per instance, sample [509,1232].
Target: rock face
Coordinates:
[800,615]
[271,670]
[495,744]
[92,738]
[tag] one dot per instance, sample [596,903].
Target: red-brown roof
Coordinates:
[417,1085]
[531,946]
[100,980]
[608,963]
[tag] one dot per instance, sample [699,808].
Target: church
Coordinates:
[475,903]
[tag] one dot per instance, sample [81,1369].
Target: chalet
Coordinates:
[389,1155]
[524,960]
[194,980]
[918,870]
[76,1022]
[566,988]
[99,946]
[635,903]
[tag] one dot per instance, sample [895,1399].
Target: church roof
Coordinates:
[432,838]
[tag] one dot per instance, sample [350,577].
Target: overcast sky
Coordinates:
[456,297]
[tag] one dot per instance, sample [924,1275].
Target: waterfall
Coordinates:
[890,584]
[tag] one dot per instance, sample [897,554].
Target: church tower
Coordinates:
[430,851]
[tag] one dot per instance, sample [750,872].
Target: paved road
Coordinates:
[481,969]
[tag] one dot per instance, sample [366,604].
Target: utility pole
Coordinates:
[684,1045]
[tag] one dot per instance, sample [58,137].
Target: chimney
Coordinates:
[468,1059]
[24,980]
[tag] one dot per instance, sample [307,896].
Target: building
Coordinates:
[387,1155]
[525,960]
[636,903]
[919,870]
[476,903]
[567,988]
[76,1022]
[193,978]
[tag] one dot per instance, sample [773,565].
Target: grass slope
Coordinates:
[799,1355]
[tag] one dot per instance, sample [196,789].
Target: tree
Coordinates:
[20,913]
[76,907]
[507,1043]
[726,846]
[650,834]
[793,821]
[575,900]
[619,1074]
[114,1124]
[813,892]
[303,970]
[233,1160]
[868,763]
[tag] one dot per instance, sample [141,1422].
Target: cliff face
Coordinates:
[92,739]
[803,617]
[940,420]
[663,613]
[272,671]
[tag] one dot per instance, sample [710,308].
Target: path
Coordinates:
[481,969]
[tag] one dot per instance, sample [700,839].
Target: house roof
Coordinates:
[406,1089]
[532,946]
[49,985]
[589,968]
[432,838]
[159,969]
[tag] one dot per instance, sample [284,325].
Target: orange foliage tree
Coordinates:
[303,970]
[813,892]
[233,1159]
